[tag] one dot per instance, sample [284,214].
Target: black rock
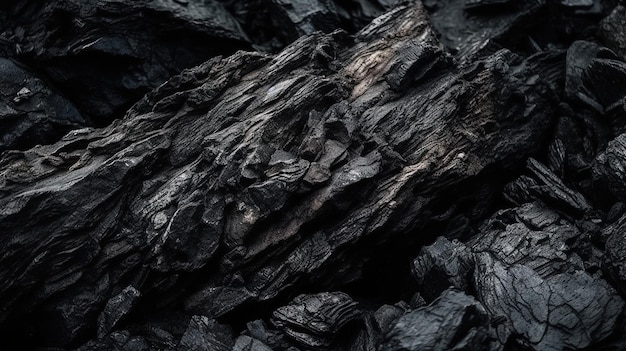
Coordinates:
[454,321]
[577,3]
[547,187]
[115,309]
[246,343]
[606,80]
[204,334]
[615,260]
[314,321]
[414,62]
[117,341]
[441,265]
[30,112]
[531,280]
[468,32]
[613,31]
[273,338]
[579,56]
[208,176]
[104,55]
[609,174]
[565,311]
[273,24]
[242,189]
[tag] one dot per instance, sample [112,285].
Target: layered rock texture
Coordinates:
[353,175]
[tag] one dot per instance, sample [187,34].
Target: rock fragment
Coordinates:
[115,309]
[313,321]
[454,321]
[204,334]
[30,112]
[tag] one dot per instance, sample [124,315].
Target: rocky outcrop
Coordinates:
[264,201]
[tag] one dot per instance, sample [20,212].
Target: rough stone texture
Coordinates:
[454,321]
[272,24]
[31,113]
[474,139]
[441,265]
[612,30]
[609,171]
[246,343]
[579,56]
[531,280]
[606,79]
[117,341]
[466,33]
[542,184]
[566,311]
[314,320]
[104,55]
[615,260]
[216,166]
[206,335]
[115,309]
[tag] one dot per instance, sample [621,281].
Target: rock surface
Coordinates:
[31,113]
[367,175]
[454,321]
[105,55]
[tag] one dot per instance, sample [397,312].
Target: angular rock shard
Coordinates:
[116,309]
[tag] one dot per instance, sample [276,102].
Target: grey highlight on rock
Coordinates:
[288,175]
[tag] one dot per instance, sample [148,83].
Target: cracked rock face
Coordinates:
[527,274]
[454,321]
[396,176]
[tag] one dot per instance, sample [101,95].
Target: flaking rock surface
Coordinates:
[438,180]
